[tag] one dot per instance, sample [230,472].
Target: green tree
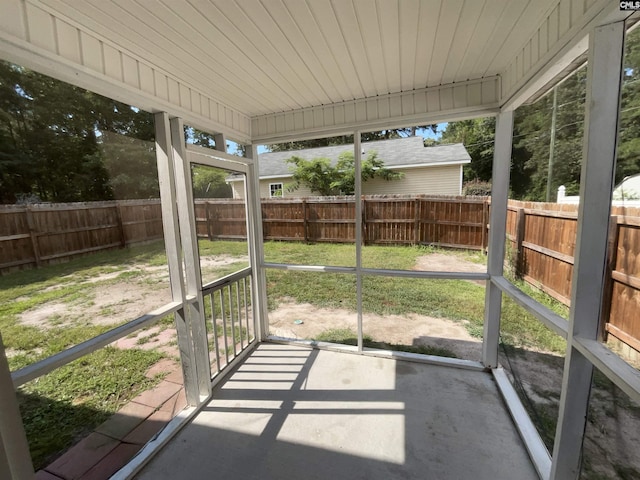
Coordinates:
[209,182]
[55,143]
[628,162]
[131,166]
[477,137]
[339,179]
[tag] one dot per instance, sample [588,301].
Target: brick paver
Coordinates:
[114,461]
[158,395]
[125,420]
[79,459]
[147,429]
[117,440]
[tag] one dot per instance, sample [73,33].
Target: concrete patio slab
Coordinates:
[292,412]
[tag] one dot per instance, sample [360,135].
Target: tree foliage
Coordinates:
[532,135]
[209,182]
[477,137]
[60,143]
[325,179]
[348,139]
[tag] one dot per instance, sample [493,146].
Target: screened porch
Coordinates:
[266,406]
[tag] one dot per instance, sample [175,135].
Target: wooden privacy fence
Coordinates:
[459,222]
[542,238]
[40,234]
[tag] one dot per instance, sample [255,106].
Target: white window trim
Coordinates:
[271,195]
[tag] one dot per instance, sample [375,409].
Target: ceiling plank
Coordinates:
[468,24]
[368,20]
[388,23]
[408,28]
[447,28]
[325,17]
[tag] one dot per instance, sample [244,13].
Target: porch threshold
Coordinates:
[291,411]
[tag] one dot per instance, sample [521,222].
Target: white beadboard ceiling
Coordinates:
[267,56]
[267,70]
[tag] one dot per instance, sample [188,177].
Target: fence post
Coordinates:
[207,216]
[263,207]
[607,294]
[304,221]
[365,230]
[123,238]
[416,226]
[33,235]
[517,255]
[485,214]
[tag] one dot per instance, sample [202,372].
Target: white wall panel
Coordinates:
[91,52]
[36,37]
[130,71]
[12,19]
[185,96]
[68,41]
[146,79]
[395,106]
[174,91]
[40,28]
[112,62]
[448,102]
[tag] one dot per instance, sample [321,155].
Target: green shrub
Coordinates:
[477,188]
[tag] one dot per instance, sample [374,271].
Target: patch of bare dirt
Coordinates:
[221,261]
[155,338]
[102,305]
[442,262]
[115,297]
[407,330]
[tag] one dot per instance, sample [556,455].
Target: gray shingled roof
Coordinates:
[395,153]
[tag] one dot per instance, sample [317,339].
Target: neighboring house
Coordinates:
[625,194]
[427,170]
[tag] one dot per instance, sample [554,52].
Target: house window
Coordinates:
[276,190]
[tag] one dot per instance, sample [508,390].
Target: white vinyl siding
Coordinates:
[437,180]
[444,180]
[238,188]
[300,192]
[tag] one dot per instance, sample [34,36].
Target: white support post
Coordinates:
[172,245]
[15,460]
[189,239]
[357,155]
[497,235]
[256,246]
[604,78]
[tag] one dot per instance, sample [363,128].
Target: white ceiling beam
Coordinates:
[417,107]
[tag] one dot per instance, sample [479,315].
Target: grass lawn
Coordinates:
[62,406]
[458,300]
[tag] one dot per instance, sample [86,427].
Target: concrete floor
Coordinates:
[290,412]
